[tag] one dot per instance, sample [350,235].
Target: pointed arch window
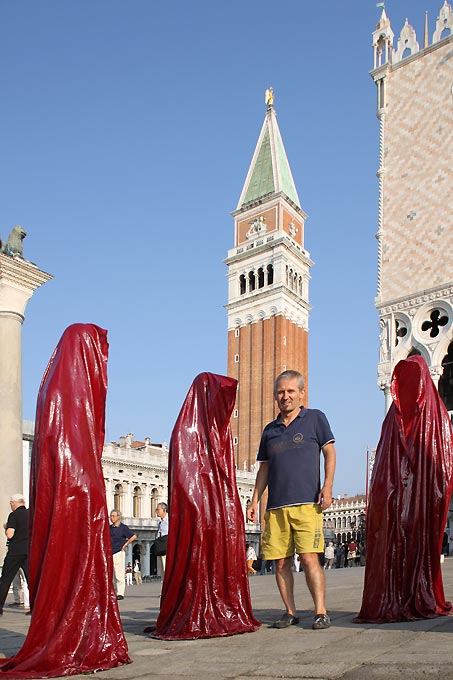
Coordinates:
[446,379]
[242,284]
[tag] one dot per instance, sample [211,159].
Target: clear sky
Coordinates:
[126,131]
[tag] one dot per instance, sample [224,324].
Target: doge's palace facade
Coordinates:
[415,221]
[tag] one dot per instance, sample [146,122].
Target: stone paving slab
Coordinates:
[346,651]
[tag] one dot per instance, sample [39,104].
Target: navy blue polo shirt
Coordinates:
[119,536]
[292,454]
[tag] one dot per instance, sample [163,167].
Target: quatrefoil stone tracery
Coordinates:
[437,319]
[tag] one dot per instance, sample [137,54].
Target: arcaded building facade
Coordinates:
[136,480]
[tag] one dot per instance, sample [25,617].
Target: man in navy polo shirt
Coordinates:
[289,457]
[121,536]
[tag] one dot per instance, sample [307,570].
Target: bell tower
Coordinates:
[268,280]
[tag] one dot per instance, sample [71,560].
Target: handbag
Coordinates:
[159,547]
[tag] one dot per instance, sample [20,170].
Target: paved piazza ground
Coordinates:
[423,649]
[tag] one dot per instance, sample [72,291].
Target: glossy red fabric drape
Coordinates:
[205,591]
[75,625]
[409,497]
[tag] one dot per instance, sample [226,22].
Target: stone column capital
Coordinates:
[19,278]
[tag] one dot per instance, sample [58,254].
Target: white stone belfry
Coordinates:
[19,278]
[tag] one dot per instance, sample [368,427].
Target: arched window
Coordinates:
[260,277]
[251,281]
[270,274]
[242,284]
[154,501]
[117,497]
[137,501]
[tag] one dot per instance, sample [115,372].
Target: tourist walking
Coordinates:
[329,555]
[162,530]
[137,573]
[352,553]
[16,530]
[250,556]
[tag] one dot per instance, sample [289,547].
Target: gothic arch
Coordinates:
[445,386]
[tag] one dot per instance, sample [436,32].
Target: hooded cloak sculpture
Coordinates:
[75,625]
[409,498]
[205,591]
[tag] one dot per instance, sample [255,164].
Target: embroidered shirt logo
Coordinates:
[298,438]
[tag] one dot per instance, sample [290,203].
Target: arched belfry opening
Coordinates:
[446,379]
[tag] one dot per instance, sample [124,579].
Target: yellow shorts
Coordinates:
[295,528]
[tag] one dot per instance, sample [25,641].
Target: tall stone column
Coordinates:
[146,561]
[18,280]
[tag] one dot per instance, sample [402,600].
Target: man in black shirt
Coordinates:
[16,530]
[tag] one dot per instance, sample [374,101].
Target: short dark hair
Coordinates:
[289,375]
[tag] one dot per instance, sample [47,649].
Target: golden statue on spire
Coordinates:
[269,97]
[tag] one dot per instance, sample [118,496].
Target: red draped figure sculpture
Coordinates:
[409,498]
[205,591]
[75,625]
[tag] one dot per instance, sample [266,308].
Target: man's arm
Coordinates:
[330,457]
[260,485]
[10,526]
[129,540]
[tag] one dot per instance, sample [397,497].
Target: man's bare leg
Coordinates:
[285,582]
[314,576]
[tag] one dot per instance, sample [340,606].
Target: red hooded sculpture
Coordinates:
[205,591]
[75,625]
[409,498]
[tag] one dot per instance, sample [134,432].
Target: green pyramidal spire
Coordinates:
[269,171]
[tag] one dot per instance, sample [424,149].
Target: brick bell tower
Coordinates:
[268,280]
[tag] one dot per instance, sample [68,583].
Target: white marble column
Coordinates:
[146,563]
[109,494]
[128,500]
[18,280]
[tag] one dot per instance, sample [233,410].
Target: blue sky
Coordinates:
[126,131]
